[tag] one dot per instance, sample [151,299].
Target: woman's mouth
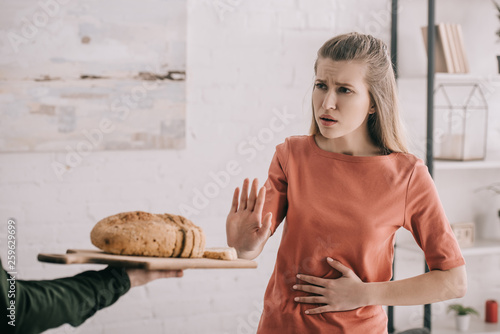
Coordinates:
[327,120]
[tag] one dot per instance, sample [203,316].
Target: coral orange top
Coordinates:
[348,208]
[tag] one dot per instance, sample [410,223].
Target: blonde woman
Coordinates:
[345,190]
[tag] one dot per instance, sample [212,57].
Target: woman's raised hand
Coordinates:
[246,230]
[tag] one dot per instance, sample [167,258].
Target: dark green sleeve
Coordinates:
[41,305]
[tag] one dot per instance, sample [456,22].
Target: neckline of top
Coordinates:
[345,157]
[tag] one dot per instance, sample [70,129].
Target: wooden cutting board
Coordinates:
[73,256]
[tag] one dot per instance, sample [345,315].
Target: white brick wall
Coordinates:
[245,59]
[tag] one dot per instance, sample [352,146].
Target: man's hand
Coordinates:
[142,276]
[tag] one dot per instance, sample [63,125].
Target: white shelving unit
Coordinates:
[467,165]
[481,247]
[477,326]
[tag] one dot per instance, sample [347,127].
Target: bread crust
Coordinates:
[146,234]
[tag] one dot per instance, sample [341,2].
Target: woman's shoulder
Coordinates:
[294,143]
[297,140]
[409,161]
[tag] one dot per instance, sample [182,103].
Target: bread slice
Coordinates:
[180,235]
[221,253]
[201,247]
[135,233]
[194,238]
[188,237]
[198,240]
[179,243]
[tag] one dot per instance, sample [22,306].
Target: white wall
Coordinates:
[247,62]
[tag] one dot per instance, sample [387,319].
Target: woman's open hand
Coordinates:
[246,230]
[340,294]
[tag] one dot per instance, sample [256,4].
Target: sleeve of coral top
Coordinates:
[276,186]
[426,220]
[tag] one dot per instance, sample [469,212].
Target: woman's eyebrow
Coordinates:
[336,83]
[343,84]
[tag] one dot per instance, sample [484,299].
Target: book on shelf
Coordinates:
[460,61]
[453,47]
[442,42]
[460,41]
[441,64]
[449,50]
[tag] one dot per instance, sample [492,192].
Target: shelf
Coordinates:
[481,247]
[454,77]
[463,165]
[466,77]
[477,326]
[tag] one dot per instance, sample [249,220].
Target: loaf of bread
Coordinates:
[221,253]
[147,234]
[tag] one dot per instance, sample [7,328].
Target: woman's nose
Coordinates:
[330,101]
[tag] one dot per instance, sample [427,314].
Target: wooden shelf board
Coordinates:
[481,247]
[439,77]
[462,165]
[477,326]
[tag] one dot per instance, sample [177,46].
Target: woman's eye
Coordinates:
[320,85]
[345,90]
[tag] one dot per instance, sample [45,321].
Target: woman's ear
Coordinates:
[373,107]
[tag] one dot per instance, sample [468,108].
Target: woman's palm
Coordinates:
[244,226]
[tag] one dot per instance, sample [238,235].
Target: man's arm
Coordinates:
[41,305]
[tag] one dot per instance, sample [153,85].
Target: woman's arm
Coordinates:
[431,287]
[349,292]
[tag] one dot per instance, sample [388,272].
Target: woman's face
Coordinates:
[341,100]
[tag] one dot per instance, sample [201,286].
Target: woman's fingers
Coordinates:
[313,280]
[234,204]
[261,198]
[311,300]
[244,194]
[265,228]
[309,288]
[322,309]
[253,195]
[344,270]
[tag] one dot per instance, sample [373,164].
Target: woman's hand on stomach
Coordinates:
[339,294]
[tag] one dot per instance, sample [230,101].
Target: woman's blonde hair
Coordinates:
[384,125]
